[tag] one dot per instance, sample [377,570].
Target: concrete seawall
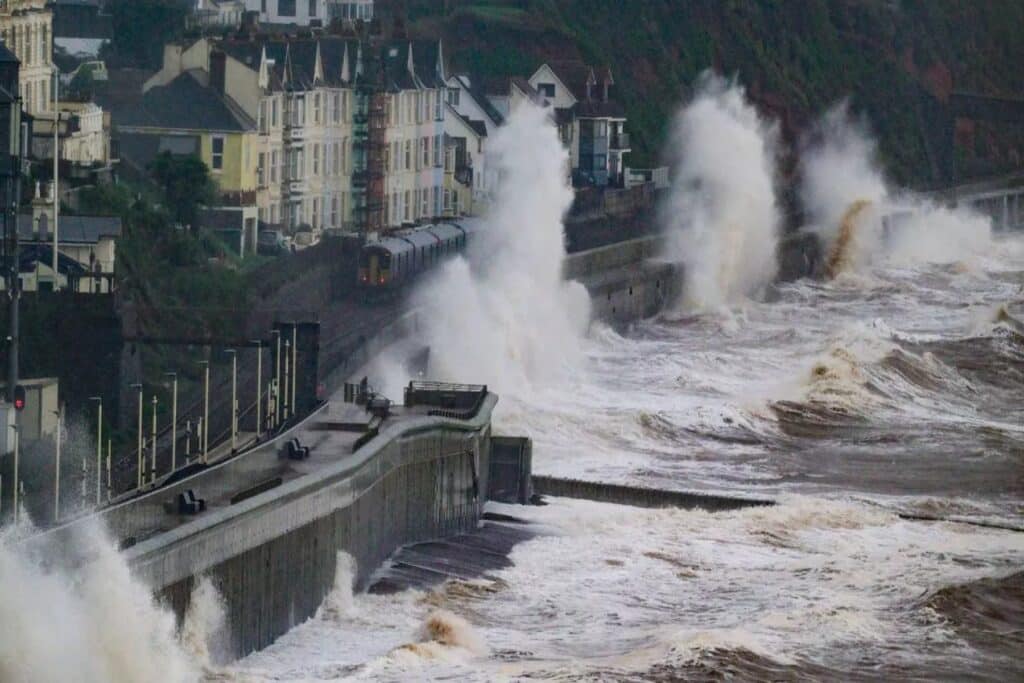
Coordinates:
[627,281]
[640,497]
[273,556]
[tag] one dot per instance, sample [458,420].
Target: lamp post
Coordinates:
[234,396]
[56,173]
[152,466]
[206,406]
[56,471]
[295,363]
[99,446]
[139,432]
[259,385]
[277,377]
[174,419]
[283,391]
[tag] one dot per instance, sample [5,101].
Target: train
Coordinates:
[389,263]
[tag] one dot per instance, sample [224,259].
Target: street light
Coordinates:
[283,391]
[234,395]
[174,419]
[259,385]
[152,468]
[277,377]
[139,431]
[56,471]
[206,407]
[295,363]
[99,446]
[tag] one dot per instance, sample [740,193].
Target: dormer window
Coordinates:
[546,89]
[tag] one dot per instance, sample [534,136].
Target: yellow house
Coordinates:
[187,115]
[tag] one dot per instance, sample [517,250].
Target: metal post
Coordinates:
[99,446]
[234,396]
[295,363]
[56,180]
[259,387]
[139,430]
[152,467]
[56,473]
[283,391]
[110,481]
[206,405]
[17,503]
[277,380]
[188,440]
[174,420]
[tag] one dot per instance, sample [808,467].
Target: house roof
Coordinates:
[74,229]
[295,61]
[188,104]
[478,127]
[480,98]
[575,74]
[527,89]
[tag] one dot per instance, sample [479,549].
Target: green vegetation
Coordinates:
[896,62]
[141,27]
[186,185]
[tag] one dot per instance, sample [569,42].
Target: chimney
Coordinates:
[218,66]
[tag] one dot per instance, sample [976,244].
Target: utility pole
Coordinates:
[295,363]
[139,455]
[234,397]
[206,406]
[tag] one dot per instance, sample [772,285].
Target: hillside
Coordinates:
[897,61]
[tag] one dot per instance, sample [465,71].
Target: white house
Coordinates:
[591,123]
[305,12]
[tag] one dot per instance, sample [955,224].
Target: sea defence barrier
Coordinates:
[627,281]
[270,525]
[640,496]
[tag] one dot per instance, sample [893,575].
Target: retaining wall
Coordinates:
[640,497]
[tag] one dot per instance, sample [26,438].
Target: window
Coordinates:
[406,213]
[546,89]
[600,162]
[337,107]
[425,202]
[286,8]
[601,129]
[312,8]
[438,109]
[316,160]
[425,151]
[334,211]
[437,200]
[337,158]
[261,175]
[316,108]
[273,112]
[315,218]
[273,166]
[344,155]
[408,155]
[394,209]
[263,6]
[437,151]
[263,117]
[453,96]
[218,153]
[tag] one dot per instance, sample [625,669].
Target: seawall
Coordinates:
[273,555]
[627,281]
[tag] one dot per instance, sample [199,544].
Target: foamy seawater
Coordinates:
[894,390]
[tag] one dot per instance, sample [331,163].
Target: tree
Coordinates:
[186,185]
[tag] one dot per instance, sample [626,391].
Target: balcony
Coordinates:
[619,141]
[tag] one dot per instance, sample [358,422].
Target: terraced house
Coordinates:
[346,134]
[26,28]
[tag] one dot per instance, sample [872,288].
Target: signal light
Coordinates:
[19,397]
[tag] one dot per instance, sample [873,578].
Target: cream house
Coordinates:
[26,28]
[349,133]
